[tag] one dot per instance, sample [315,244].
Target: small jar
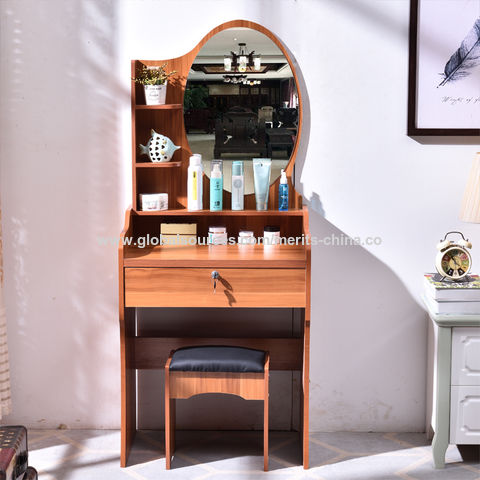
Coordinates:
[245,237]
[217,236]
[271,235]
[153,201]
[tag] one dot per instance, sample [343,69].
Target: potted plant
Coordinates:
[154,81]
[195,97]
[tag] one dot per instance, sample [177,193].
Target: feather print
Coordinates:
[465,58]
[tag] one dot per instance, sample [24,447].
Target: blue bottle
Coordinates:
[216,186]
[283,192]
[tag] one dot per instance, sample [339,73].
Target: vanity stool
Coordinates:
[215,369]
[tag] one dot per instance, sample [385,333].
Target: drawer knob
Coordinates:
[215,277]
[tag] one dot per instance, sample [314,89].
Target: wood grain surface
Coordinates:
[217,256]
[285,353]
[194,287]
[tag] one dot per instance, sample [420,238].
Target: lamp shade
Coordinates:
[242,63]
[470,211]
[227,64]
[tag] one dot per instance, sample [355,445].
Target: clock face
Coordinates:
[455,262]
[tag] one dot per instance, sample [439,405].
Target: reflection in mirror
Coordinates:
[240,103]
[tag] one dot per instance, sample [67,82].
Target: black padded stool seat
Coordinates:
[218,359]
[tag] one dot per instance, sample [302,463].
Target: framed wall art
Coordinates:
[444,68]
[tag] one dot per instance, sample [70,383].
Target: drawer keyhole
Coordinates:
[215,277]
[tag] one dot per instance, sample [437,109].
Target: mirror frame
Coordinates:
[188,59]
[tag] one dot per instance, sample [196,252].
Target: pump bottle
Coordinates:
[283,192]
[216,186]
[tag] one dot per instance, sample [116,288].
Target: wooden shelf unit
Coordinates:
[143,271]
[168,120]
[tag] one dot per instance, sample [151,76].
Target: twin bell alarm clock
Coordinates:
[453,261]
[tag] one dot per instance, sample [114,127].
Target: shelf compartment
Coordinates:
[144,223]
[157,165]
[169,125]
[156,179]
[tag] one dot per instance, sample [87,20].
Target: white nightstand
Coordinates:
[453,403]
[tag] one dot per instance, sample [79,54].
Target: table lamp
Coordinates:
[470,211]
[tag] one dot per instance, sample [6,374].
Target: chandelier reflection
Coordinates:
[242,61]
[240,79]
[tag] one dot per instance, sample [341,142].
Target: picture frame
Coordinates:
[441,104]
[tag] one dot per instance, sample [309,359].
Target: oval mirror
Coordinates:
[240,103]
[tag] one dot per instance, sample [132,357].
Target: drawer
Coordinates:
[466,356]
[465,415]
[193,287]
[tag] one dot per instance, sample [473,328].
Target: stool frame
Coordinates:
[182,385]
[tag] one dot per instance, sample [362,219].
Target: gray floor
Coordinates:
[94,454]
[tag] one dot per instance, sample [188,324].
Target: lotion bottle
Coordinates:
[283,192]
[216,186]
[238,185]
[261,177]
[195,183]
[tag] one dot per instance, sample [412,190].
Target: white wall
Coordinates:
[65,180]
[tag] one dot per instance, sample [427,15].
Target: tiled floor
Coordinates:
[94,455]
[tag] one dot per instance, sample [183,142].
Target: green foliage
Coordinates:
[153,75]
[195,97]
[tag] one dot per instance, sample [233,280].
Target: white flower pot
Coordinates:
[155,94]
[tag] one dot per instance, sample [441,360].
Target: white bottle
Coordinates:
[195,183]
[238,185]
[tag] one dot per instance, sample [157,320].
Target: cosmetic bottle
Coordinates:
[195,183]
[238,185]
[216,186]
[283,192]
[261,177]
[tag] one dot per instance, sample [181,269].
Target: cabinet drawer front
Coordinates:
[466,356]
[465,415]
[193,287]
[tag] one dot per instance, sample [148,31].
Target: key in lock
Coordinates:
[215,277]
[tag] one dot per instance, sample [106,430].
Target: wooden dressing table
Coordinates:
[180,276]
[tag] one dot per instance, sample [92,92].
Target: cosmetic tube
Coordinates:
[261,175]
[238,185]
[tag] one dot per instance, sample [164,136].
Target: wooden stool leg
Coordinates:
[168,431]
[173,421]
[168,418]
[265,415]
